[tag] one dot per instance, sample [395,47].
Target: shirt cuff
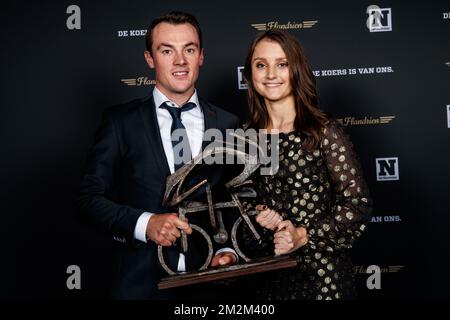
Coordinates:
[181,263]
[228,250]
[140,231]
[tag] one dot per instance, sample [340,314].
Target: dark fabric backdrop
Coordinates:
[56,82]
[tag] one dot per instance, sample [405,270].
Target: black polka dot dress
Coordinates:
[324,191]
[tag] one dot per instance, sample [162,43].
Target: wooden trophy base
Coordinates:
[219,273]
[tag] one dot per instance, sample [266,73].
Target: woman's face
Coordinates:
[270,71]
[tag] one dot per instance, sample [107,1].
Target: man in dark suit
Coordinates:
[123,186]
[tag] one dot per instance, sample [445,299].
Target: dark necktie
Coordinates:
[180,143]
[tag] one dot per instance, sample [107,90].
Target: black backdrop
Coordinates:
[55,83]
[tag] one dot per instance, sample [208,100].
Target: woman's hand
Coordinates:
[288,238]
[267,218]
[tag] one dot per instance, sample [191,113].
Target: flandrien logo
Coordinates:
[286,26]
[374,271]
[352,121]
[138,82]
[387,169]
[379,20]
[386,269]
[131,33]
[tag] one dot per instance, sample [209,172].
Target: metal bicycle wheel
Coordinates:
[208,259]
[234,240]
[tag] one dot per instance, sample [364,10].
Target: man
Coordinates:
[122,189]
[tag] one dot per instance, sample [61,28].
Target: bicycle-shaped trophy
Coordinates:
[239,187]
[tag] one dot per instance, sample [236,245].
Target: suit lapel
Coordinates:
[210,117]
[148,114]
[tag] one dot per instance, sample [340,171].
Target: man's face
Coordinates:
[176,59]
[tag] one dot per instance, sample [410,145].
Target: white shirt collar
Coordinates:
[160,98]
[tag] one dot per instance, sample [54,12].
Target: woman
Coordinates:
[317,203]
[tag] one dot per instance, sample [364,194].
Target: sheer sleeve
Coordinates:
[351,204]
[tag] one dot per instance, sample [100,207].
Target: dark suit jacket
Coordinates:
[125,176]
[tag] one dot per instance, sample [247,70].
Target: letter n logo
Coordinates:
[387,169]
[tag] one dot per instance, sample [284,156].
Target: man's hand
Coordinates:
[267,218]
[164,229]
[288,238]
[224,259]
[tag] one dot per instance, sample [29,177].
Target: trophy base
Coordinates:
[219,273]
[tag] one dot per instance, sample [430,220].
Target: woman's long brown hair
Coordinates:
[309,118]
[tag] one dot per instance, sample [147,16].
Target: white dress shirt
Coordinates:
[192,119]
[194,123]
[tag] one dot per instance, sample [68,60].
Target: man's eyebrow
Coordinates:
[191,44]
[165,45]
[172,47]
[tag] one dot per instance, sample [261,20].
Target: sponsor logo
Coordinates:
[353,71]
[242,85]
[352,121]
[141,81]
[386,269]
[287,26]
[131,33]
[379,20]
[387,169]
[381,219]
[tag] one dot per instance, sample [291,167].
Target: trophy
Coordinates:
[177,196]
